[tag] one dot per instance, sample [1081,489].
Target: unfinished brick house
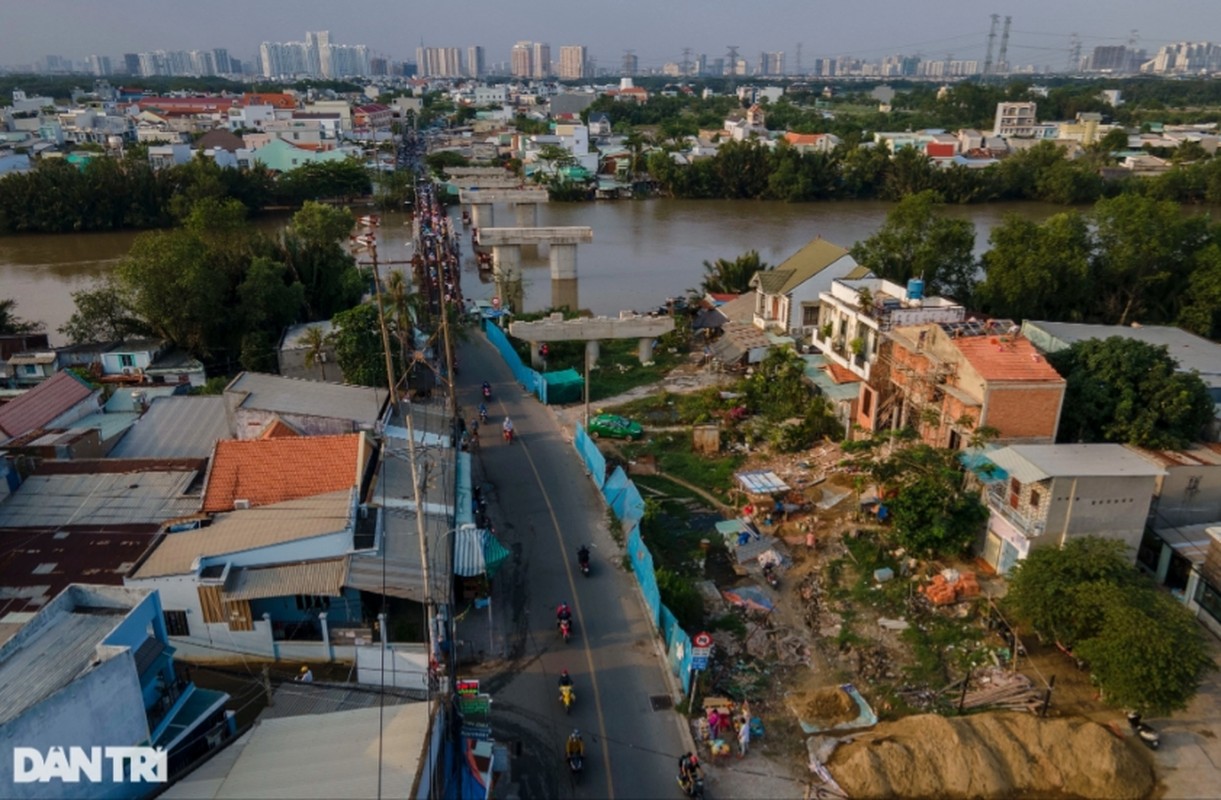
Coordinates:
[947,380]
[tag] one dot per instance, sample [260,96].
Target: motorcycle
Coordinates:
[575,765]
[483,414]
[487,392]
[566,630]
[508,434]
[769,574]
[1147,733]
[694,789]
[567,697]
[583,561]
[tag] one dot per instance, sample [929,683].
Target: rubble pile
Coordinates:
[950,586]
[1004,689]
[827,707]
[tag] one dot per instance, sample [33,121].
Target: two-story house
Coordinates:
[787,297]
[854,316]
[1043,495]
[948,380]
[94,668]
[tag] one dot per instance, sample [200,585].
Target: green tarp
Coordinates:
[565,386]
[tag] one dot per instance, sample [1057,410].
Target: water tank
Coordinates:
[915,289]
[114,142]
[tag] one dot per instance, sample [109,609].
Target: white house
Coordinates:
[787,297]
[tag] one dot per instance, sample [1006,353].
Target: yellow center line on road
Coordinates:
[576,605]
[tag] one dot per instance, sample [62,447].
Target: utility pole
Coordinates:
[587,385]
[1074,53]
[368,241]
[1002,59]
[732,58]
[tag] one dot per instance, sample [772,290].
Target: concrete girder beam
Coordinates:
[503,195]
[488,182]
[526,214]
[527,236]
[476,172]
[591,328]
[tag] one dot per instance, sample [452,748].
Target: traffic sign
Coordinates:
[699,662]
[702,640]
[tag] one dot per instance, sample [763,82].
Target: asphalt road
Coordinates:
[544,507]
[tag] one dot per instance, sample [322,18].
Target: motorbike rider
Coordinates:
[563,613]
[575,747]
[688,770]
[487,389]
[483,411]
[507,426]
[565,678]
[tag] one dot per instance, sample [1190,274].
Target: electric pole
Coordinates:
[1002,60]
[996,18]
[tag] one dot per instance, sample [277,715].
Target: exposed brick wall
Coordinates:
[1027,412]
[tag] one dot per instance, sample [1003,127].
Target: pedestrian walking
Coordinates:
[744,737]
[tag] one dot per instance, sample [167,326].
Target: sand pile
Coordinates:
[825,707]
[1001,755]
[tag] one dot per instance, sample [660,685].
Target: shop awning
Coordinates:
[477,552]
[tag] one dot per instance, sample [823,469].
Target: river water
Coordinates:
[643,251]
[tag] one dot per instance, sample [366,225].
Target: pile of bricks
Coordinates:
[942,592]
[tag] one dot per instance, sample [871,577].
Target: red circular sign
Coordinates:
[702,640]
[495,302]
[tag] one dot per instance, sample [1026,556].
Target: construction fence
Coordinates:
[624,499]
[527,377]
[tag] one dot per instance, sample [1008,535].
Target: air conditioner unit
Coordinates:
[127,370]
[241,504]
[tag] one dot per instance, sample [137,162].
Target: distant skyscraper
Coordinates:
[771,63]
[131,63]
[630,64]
[220,57]
[439,62]
[521,60]
[542,60]
[573,62]
[99,65]
[474,62]
[378,66]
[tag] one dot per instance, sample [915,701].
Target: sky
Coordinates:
[657,30]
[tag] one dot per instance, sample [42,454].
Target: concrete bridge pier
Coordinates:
[592,351]
[526,215]
[646,350]
[481,215]
[506,262]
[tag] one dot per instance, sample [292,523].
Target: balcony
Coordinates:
[998,501]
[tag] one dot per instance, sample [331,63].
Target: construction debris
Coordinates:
[1000,688]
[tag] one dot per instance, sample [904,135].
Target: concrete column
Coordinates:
[271,636]
[564,294]
[526,215]
[536,360]
[646,350]
[591,352]
[563,262]
[1163,564]
[382,632]
[506,263]
[326,636]
[481,215]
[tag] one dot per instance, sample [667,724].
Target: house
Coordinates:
[1016,119]
[279,155]
[372,115]
[599,124]
[56,402]
[786,297]
[1192,353]
[1043,495]
[295,358]
[740,344]
[32,367]
[94,668]
[839,385]
[254,400]
[1186,560]
[854,316]
[812,142]
[948,380]
[752,124]
[135,361]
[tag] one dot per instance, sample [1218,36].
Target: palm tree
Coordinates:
[732,277]
[315,343]
[11,323]
[405,307]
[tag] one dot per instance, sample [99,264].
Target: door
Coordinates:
[992,550]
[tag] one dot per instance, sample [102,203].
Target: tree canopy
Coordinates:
[1142,646]
[732,277]
[1130,392]
[10,323]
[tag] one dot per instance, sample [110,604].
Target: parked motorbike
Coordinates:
[583,561]
[566,630]
[1147,733]
[769,575]
[567,697]
[693,789]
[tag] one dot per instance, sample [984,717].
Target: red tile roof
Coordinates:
[275,99]
[1006,358]
[40,405]
[265,471]
[279,429]
[840,374]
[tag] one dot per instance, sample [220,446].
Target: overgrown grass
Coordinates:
[686,408]
[938,646]
[712,473]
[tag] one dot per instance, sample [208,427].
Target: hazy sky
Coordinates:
[657,30]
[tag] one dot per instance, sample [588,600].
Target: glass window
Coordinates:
[1209,599]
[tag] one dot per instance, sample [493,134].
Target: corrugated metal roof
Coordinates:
[300,699]
[468,552]
[309,398]
[118,498]
[174,427]
[772,281]
[63,650]
[42,404]
[320,578]
[761,482]
[1190,351]
[108,425]
[249,529]
[321,756]
[1037,462]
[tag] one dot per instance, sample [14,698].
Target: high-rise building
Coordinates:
[474,62]
[630,64]
[131,63]
[319,45]
[521,60]
[771,63]
[378,66]
[574,62]
[99,65]
[438,62]
[542,60]
[220,57]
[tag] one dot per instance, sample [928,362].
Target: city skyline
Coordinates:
[1042,33]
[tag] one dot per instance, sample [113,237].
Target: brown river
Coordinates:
[643,251]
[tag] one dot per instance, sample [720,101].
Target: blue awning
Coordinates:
[477,552]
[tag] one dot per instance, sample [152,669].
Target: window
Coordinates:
[809,316]
[866,403]
[30,369]
[176,623]
[311,602]
[1034,498]
[127,360]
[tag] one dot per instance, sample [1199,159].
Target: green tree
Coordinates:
[1039,270]
[777,390]
[1128,391]
[268,300]
[312,247]
[732,277]
[10,323]
[915,241]
[315,342]
[358,346]
[102,314]
[1201,311]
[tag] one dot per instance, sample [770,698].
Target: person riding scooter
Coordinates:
[563,613]
[566,692]
[689,772]
[583,560]
[487,390]
[574,751]
[483,412]
[507,426]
